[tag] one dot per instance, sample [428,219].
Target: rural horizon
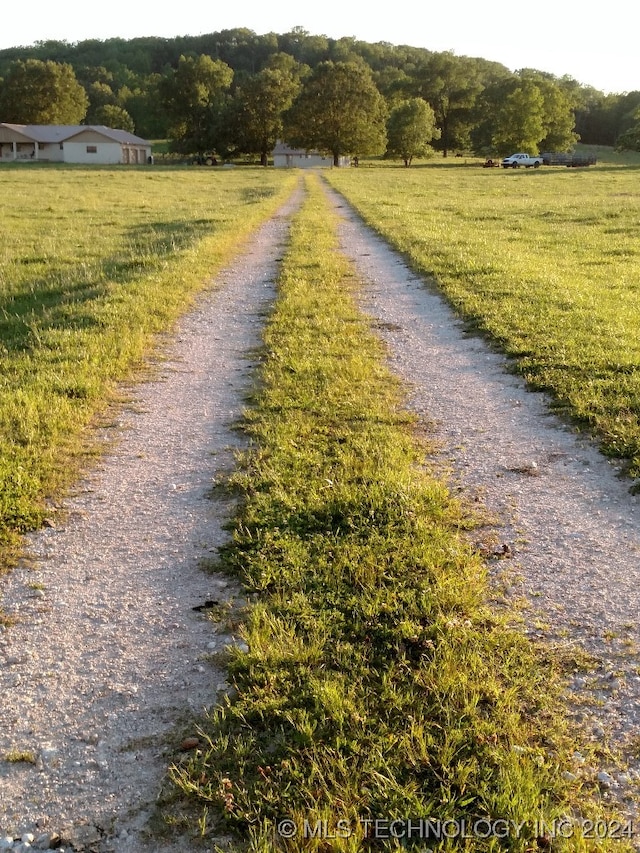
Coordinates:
[232,95]
[597,54]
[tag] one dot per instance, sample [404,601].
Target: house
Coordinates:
[299,158]
[77,143]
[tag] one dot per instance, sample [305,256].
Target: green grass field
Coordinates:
[545,262]
[93,262]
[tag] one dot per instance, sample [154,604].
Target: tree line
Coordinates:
[235,93]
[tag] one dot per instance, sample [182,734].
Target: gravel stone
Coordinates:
[605,779]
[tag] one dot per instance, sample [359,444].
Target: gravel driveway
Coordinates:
[108,654]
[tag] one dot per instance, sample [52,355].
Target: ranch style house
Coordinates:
[78,143]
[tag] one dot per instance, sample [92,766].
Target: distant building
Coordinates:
[298,158]
[78,143]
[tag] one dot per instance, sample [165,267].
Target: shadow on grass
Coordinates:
[57,299]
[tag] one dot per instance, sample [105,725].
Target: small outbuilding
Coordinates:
[299,158]
[79,143]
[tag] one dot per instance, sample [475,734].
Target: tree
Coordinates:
[466,93]
[259,106]
[519,123]
[451,84]
[144,106]
[559,104]
[629,140]
[559,119]
[308,49]
[530,111]
[394,85]
[410,128]
[36,92]
[340,111]
[193,98]
[100,94]
[111,115]
[596,117]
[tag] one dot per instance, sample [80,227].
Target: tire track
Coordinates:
[107,655]
[565,535]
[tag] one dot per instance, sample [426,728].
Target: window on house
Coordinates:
[92,149]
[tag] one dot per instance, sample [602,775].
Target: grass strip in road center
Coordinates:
[376,683]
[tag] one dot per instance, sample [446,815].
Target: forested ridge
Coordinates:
[234,92]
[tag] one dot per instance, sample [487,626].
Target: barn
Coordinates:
[79,143]
[284,156]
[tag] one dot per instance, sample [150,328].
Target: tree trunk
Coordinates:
[336,159]
[264,159]
[445,135]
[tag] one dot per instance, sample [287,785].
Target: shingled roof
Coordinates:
[62,132]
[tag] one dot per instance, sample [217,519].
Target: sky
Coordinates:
[595,48]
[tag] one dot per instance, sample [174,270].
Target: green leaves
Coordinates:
[527,112]
[259,106]
[410,128]
[36,92]
[193,98]
[339,111]
[519,124]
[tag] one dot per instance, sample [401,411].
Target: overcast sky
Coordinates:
[598,47]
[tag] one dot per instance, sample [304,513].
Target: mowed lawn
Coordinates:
[545,261]
[93,263]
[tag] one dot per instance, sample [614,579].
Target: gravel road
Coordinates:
[566,536]
[107,655]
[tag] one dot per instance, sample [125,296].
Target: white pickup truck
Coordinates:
[525,160]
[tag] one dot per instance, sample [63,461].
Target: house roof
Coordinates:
[63,132]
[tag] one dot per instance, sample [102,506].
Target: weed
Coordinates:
[20,756]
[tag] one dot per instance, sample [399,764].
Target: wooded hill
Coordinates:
[234,91]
